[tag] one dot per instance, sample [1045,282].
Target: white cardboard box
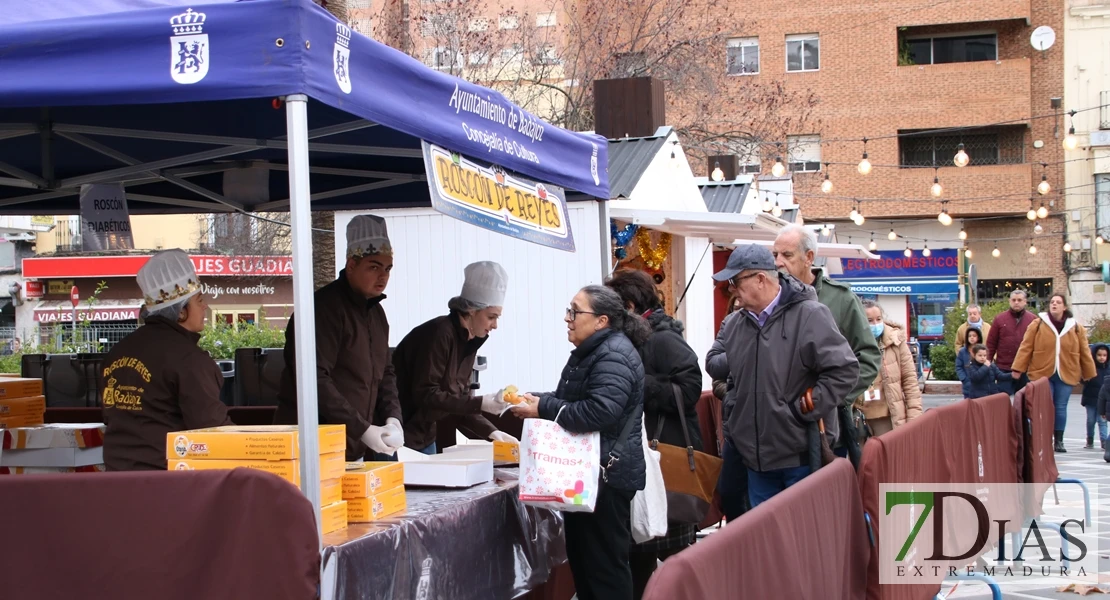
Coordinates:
[52,457]
[443,470]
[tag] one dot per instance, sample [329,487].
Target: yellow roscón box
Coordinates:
[20,387]
[250,442]
[331,467]
[333,517]
[22,407]
[506,452]
[365,480]
[13,421]
[382,504]
[331,491]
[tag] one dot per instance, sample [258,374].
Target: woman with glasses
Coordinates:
[601,388]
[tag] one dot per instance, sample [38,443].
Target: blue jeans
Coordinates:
[1092,418]
[1061,393]
[762,485]
[733,482]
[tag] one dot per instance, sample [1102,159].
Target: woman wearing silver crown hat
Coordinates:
[157,380]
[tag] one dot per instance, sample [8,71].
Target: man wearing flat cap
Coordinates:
[782,343]
[355,381]
[435,360]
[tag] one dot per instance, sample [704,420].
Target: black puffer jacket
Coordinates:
[602,387]
[669,361]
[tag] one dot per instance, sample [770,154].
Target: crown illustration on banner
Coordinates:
[342,35]
[188,22]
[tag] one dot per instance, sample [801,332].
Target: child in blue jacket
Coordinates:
[1091,397]
[982,374]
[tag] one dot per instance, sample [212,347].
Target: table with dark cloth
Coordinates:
[199,534]
[807,542]
[479,543]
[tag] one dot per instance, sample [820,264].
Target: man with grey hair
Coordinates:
[779,345]
[795,250]
[974,321]
[435,360]
[1005,337]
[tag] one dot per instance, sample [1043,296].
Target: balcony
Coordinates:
[968,92]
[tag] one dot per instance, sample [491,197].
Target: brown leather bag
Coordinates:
[690,476]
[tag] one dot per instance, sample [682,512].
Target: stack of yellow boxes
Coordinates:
[21,402]
[270,448]
[374,490]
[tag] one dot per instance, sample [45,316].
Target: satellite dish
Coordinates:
[1043,37]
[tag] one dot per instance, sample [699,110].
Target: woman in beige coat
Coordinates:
[894,399]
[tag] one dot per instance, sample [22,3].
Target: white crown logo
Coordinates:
[188,22]
[342,35]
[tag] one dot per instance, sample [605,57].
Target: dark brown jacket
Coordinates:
[155,381]
[354,378]
[434,363]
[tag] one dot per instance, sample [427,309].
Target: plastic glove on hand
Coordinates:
[501,436]
[393,434]
[372,437]
[494,404]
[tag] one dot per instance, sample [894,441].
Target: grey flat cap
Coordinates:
[744,258]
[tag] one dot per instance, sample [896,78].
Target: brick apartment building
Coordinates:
[881,69]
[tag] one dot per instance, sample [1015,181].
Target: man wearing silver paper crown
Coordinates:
[157,380]
[356,386]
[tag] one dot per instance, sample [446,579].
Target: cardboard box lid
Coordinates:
[444,470]
[53,435]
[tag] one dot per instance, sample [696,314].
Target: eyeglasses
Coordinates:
[572,313]
[735,281]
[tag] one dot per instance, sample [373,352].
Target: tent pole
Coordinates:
[296,125]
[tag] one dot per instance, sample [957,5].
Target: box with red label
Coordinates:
[62,445]
[362,480]
[250,442]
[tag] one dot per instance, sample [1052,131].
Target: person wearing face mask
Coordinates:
[894,398]
[1055,346]
[355,382]
[435,360]
[974,321]
[1005,336]
[157,380]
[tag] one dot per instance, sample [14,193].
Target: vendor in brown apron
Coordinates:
[355,383]
[157,380]
[435,361]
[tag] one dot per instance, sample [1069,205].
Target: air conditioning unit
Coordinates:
[1082,257]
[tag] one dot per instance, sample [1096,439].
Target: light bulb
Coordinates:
[936,190]
[944,218]
[926,251]
[961,159]
[1031,215]
[825,230]
[852,215]
[1070,141]
[1099,240]
[1067,246]
[778,170]
[1043,187]
[864,165]
[907,252]
[860,219]
[1042,212]
[1032,249]
[892,236]
[826,185]
[995,253]
[963,234]
[718,174]
[1037,229]
[777,210]
[872,245]
[766,205]
[967,252]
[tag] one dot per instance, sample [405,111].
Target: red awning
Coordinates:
[61,311]
[77,267]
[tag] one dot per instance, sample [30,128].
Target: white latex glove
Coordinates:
[501,436]
[495,404]
[372,437]
[393,434]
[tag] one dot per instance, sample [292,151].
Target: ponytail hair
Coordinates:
[605,302]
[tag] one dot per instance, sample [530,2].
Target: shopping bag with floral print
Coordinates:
[559,470]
